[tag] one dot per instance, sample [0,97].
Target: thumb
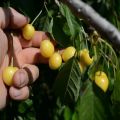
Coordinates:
[11,18]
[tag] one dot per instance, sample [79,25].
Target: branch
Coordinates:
[105,28]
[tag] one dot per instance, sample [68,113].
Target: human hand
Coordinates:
[25,54]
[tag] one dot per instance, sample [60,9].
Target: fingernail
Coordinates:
[28,19]
[16,93]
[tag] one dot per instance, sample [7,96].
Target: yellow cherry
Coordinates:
[46,48]
[28,31]
[85,57]
[68,53]
[101,80]
[55,61]
[8,74]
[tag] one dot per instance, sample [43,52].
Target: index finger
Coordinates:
[9,17]
[35,41]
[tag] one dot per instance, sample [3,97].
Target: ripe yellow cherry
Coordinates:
[8,74]
[101,80]
[68,53]
[55,61]
[46,48]
[85,57]
[28,31]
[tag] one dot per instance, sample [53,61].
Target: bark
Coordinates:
[86,12]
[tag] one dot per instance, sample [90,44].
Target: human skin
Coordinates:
[26,55]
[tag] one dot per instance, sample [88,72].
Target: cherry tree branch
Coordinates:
[105,28]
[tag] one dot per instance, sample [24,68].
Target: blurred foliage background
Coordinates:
[42,104]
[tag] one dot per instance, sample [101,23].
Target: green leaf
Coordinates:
[50,26]
[80,40]
[67,113]
[94,68]
[58,33]
[116,91]
[71,22]
[23,106]
[68,81]
[93,104]
[75,116]
[44,23]
[116,110]
[30,116]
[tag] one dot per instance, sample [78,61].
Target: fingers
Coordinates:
[19,90]
[25,76]
[3,46]
[19,94]
[11,18]
[29,56]
[20,78]
[35,42]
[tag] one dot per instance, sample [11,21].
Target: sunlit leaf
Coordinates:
[68,82]
[93,104]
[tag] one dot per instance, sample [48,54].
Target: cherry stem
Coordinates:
[36,17]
